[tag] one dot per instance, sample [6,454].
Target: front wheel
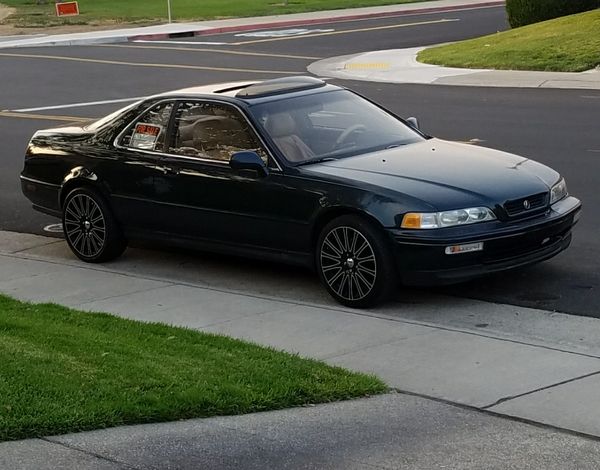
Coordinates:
[354,262]
[90,228]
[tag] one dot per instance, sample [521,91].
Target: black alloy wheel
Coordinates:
[354,262]
[90,229]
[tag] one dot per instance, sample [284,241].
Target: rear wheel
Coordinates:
[354,262]
[90,228]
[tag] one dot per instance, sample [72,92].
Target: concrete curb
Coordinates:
[179,30]
[323,20]
[401,66]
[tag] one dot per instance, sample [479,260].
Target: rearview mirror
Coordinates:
[413,122]
[248,160]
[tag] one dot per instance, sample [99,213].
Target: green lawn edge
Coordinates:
[31,14]
[568,44]
[64,371]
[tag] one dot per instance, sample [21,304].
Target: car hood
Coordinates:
[445,175]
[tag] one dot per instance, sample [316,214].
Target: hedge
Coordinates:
[523,12]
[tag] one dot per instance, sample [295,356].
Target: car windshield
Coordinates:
[331,125]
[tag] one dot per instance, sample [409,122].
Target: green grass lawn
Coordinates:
[568,44]
[64,371]
[29,13]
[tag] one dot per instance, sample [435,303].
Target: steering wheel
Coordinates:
[341,140]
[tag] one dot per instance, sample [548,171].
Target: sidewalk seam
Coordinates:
[231,320]
[37,246]
[371,465]
[83,304]
[541,389]
[497,414]
[87,452]
[373,346]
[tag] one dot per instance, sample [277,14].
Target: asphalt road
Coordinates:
[556,127]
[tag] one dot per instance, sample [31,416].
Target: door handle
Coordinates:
[169,171]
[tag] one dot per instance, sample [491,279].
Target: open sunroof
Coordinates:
[280,85]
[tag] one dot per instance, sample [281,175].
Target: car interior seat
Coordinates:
[283,130]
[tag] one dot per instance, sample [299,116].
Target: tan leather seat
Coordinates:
[282,129]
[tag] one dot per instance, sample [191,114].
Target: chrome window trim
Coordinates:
[32,180]
[175,100]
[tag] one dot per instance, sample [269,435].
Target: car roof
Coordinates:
[223,89]
[249,90]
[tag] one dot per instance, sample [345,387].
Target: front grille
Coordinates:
[526,205]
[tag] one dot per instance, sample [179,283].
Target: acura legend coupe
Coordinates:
[301,171]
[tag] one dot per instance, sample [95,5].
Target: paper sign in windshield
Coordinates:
[145,136]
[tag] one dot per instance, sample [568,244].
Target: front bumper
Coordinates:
[422,260]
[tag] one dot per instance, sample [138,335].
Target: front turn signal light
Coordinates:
[411,220]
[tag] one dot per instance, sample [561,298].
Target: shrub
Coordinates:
[523,12]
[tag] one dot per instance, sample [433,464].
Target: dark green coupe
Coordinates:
[301,171]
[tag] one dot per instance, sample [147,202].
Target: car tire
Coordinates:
[90,227]
[354,262]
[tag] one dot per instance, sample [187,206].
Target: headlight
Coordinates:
[558,191]
[427,220]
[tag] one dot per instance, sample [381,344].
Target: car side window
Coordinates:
[149,131]
[212,131]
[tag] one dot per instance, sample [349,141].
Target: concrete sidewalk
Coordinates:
[401,66]
[166,31]
[393,431]
[541,367]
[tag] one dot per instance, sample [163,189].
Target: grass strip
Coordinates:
[31,14]
[568,44]
[63,371]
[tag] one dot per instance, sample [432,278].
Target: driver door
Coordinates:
[203,198]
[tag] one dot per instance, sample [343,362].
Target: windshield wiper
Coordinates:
[316,160]
[397,144]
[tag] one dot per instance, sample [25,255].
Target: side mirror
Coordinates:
[248,160]
[413,122]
